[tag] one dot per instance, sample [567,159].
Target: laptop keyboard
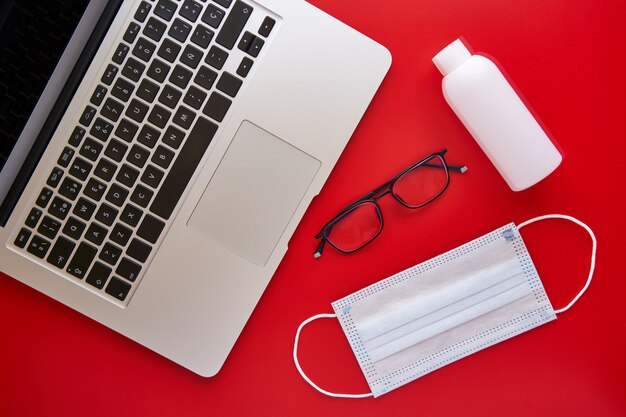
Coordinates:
[112,192]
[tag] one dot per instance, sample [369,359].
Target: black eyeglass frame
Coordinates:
[376,194]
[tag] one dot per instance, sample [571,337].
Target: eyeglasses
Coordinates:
[361,221]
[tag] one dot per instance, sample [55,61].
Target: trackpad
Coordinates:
[254,192]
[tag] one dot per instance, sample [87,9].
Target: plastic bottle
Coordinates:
[496,117]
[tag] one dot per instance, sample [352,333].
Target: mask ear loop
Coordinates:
[593,251]
[304,376]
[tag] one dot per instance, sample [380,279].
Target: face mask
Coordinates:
[444,309]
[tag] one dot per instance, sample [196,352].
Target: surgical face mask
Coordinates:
[444,309]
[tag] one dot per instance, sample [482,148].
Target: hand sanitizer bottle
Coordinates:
[496,117]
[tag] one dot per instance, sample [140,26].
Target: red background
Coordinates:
[568,57]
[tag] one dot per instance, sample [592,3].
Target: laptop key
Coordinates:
[95,189]
[266,26]
[244,67]
[95,233]
[229,84]
[33,217]
[98,275]
[98,95]
[170,96]
[169,50]
[109,74]
[234,24]
[118,288]
[138,250]
[101,129]
[150,228]
[179,30]
[143,11]
[106,214]
[191,56]
[74,228]
[205,77]
[105,170]
[224,3]
[122,89]
[138,156]
[116,150]
[173,137]
[180,77]
[112,109]
[117,195]
[128,269]
[49,227]
[81,260]
[133,69]
[195,97]
[22,238]
[55,177]
[141,196]
[131,33]
[137,110]
[127,175]
[184,117]
[159,116]
[213,16]
[80,169]
[148,136]
[154,29]
[152,176]
[120,53]
[158,70]
[60,253]
[120,234]
[44,197]
[90,149]
[126,130]
[216,57]
[70,188]
[162,157]
[190,10]
[144,49]
[59,208]
[202,36]
[183,168]
[131,215]
[110,253]
[84,209]
[66,157]
[165,9]
[147,90]
[76,137]
[38,246]
[87,116]
[217,106]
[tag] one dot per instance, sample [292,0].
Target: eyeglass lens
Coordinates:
[423,183]
[358,227]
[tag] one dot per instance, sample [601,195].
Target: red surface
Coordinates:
[568,57]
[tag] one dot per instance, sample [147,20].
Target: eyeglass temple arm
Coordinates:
[455,168]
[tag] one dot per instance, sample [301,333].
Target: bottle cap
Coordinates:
[451,57]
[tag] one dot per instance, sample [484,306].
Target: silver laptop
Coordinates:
[156,156]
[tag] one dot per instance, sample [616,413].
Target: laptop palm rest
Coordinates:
[254,192]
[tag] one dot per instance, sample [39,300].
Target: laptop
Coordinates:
[156,156]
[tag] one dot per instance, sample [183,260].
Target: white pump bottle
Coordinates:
[496,117]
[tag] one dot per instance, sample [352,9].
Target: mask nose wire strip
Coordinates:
[594,247]
[299,368]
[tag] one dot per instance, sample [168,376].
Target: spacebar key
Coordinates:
[183,168]
[234,24]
